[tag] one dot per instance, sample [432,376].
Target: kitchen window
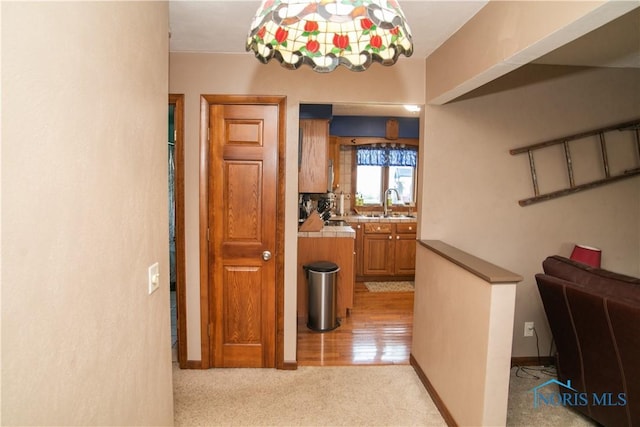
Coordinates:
[380,168]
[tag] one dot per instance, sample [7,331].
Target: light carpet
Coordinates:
[309,396]
[337,396]
[521,412]
[390,286]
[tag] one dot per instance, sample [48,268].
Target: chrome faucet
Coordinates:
[385,204]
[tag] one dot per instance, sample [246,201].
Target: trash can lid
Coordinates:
[321,266]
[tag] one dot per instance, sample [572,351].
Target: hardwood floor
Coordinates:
[377,332]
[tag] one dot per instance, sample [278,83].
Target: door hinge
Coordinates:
[210,329]
[208,134]
[175,135]
[208,234]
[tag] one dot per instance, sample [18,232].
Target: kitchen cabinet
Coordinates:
[388,251]
[405,249]
[334,160]
[358,246]
[378,249]
[313,156]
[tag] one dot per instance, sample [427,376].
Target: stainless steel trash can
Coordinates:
[321,279]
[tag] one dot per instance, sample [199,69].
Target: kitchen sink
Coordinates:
[371,215]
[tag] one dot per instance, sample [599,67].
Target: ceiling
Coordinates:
[206,26]
[616,44]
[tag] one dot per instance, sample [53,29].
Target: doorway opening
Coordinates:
[378,328]
[175,164]
[172,235]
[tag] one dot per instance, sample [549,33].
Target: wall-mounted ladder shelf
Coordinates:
[633,126]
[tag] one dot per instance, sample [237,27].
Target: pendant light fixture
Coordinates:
[326,33]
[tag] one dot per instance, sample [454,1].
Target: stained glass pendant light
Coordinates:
[326,33]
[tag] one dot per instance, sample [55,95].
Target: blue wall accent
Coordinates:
[316,111]
[362,126]
[408,127]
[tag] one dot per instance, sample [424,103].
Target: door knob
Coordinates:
[266,255]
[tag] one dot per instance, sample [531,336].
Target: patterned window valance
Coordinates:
[387,156]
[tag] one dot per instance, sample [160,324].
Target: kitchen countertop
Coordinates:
[330,231]
[346,231]
[365,218]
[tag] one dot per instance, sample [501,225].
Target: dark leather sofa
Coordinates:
[594,316]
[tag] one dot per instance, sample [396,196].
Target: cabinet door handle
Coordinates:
[397,237]
[390,237]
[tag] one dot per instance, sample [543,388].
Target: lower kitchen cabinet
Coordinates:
[378,249]
[358,248]
[405,255]
[387,251]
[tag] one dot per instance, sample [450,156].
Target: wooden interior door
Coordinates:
[242,198]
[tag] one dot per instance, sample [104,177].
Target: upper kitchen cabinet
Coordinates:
[313,165]
[334,160]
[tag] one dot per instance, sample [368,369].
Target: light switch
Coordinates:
[154,278]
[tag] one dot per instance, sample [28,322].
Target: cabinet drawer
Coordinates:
[406,227]
[377,227]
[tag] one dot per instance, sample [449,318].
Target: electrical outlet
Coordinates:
[528,329]
[154,278]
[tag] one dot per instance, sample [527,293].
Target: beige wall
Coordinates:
[196,74]
[471,184]
[84,192]
[462,338]
[504,35]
